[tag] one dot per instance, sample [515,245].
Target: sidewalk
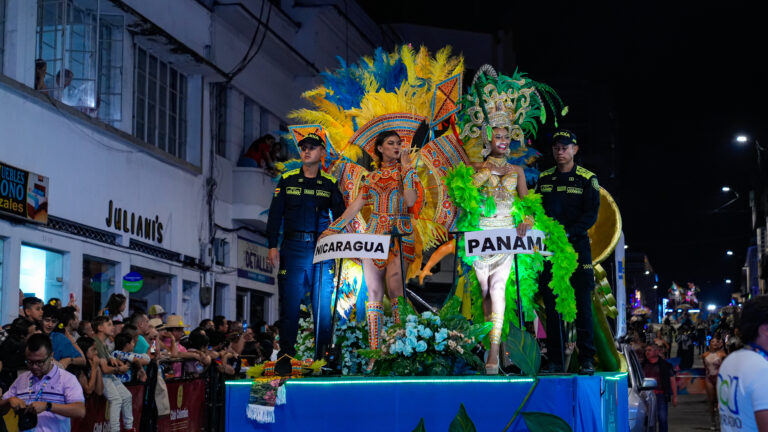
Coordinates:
[690,414]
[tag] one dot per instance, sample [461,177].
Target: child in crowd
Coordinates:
[120,399]
[33,309]
[90,374]
[85,329]
[124,344]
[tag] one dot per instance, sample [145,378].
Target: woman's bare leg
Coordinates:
[497,284]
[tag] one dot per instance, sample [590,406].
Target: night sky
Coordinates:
[669,87]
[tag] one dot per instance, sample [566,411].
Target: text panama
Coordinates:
[505,243]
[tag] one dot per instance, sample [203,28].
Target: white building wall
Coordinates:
[89,164]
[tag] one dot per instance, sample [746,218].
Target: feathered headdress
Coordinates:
[515,103]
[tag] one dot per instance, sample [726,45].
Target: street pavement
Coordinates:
[691,411]
[690,414]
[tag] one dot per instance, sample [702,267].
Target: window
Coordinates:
[110,68]
[1,271]
[41,273]
[190,303]
[98,282]
[219,117]
[219,297]
[2,36]
[156,289]
[159,107]
[251,123]
[79,56]
[251,306]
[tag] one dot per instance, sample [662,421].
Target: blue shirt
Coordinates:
[63,347]
[142,346]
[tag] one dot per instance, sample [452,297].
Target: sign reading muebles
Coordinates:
[351,246]
[504,241]
[23,194]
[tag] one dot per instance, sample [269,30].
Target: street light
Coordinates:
[711,307]
[727,281]
[626,246]
[742,138]
[725,189]
[647,272]
[729,252]
[655,287]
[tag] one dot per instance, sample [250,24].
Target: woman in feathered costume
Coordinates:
[497,112]
[377,106]
[390,191]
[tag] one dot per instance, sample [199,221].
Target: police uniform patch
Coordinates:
[323,193]
[293,191]
[277,191]
[594,184]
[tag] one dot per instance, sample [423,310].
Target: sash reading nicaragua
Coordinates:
[504,241]
[351,246]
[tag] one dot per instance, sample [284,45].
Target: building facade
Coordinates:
[125,120]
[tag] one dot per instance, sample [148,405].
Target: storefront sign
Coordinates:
[253,262]
[504,241]
[132,282]
[23,194]
[352,246]
[144,227]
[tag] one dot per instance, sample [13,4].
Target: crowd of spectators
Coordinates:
[114,350]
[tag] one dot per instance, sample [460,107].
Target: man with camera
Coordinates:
[45,397]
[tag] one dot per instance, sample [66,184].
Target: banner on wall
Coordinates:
[23,194]
[253,262]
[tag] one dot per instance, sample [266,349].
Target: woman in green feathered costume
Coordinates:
[493,195]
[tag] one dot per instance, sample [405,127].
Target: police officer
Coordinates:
[570,195]
[305,201]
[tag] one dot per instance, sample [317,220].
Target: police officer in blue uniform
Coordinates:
[570,195]
[305,201]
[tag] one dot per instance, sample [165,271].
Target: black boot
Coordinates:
[587,368]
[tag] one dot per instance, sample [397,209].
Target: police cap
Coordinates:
[564,137]
[311,139]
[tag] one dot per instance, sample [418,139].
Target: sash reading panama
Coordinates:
[504,241]
[351,246]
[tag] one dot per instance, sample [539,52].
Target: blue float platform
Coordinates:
[587,403]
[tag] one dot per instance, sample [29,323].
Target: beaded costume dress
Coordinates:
[383,192]
[503,191]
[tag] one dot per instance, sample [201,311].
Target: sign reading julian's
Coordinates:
[351,246]
[504,241]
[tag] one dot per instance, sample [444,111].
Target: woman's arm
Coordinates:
[522,185]
[347,216]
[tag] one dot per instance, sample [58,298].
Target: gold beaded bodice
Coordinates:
[503,189]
